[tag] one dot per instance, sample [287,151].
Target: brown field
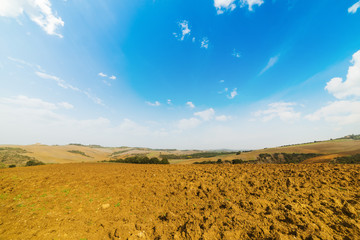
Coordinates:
[119,201]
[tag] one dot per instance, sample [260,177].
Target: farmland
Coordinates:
[122,201]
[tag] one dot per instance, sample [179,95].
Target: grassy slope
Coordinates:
[334,148]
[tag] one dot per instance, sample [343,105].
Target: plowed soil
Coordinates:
[117,201]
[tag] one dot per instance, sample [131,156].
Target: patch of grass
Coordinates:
[79,152]
[17,197]
[66,191]
[13,156]
[117,205]
[3,196]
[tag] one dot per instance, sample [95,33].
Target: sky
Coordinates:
[205,74]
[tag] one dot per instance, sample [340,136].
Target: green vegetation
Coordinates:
[12,166]
[354,159]
[285,157]
[352,136]
[140,160]
[78,152]
[196,155]
[119,152]
[34,163]
[13,156]
[90,146]
[219,161]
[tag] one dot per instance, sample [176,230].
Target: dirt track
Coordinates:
[115,201]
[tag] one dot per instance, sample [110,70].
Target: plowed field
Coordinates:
[117,201]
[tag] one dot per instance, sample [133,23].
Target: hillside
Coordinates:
[75,153]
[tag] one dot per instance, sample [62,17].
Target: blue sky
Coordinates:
[205,74]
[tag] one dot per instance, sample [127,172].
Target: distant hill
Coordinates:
[74,153]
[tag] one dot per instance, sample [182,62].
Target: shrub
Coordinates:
[354,159]
[12,166]
[34,163]
[140,160]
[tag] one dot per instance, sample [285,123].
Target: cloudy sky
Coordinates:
[205,74]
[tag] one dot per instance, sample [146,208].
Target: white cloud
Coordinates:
[221,81]
[222,118]
[342,112]
[39,11]
[112,77]
[354,7]
[339,112]
[102,74]
[60,82]
[251,3]
[66,105]
[206,115]
[185,30]
[155,104]
[24,101]
[205,43]
[190,104]
[184,124]
[283,110]
[94,98]
[107,83]
[236,53]
[233,93]
[169,102]
[224,5]
[351,86]
[271,63]
[229,5]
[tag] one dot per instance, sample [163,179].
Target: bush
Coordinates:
[34,163]
[12,166]
[354,159]
[141,160]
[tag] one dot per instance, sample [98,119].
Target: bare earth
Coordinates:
[117,201]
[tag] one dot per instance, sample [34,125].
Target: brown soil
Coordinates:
[116,201]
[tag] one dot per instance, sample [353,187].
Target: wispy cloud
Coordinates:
[206,115]
[103,75]
[66,105]
[190,104]
[236,53]
[224,5]
[154,104]
[283,110]
[353,9]
[272,61]
[205,43]
[251,3]
[39,11]
[60,82]
[233,93]
[185,30]
[222,118]
[229,5]
[185,123]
